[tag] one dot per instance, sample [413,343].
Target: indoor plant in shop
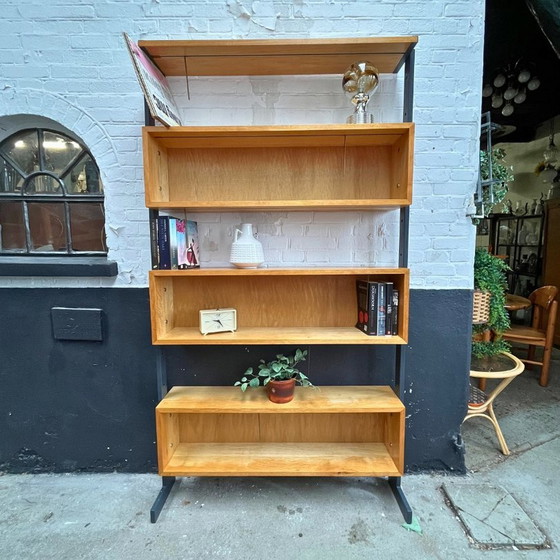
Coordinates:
[495,192]
[278,376]
[490,284]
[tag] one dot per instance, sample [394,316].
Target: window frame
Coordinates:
[64,198]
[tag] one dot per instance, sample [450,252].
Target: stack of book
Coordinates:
[378,308]
[174,243]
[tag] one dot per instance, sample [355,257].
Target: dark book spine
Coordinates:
[389,308]
[373,308]
[395,325]
[362,296]
[381,309]
[154,242]
[368,305]
[173,243]
[163,243]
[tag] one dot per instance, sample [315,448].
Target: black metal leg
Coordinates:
[167,483]
[406,510]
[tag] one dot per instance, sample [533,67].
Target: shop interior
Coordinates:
[521,69]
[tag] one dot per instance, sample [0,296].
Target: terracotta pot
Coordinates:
[282,391]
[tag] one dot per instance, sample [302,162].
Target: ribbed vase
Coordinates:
[246,251]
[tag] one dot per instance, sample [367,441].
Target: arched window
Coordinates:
[51,196]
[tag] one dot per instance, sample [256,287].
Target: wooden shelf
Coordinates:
[304,167]
[281,459]
[276,335]
[328,431]
[343,398]
[276,57]
[274,306]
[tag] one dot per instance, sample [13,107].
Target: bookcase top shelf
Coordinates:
[276,57]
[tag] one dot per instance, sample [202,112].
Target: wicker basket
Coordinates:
[481,307]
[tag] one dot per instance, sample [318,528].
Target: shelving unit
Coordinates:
[519,239]
[274,306]
[264,168]
[332,431]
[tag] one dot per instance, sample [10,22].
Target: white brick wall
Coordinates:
[66,60]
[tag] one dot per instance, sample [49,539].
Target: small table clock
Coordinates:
[218,320]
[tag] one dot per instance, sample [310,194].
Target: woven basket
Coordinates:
[481,307]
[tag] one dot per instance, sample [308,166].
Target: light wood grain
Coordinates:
[281,135]
[276,57]
[274,306]
[281,459]
[161,307]
[347,427]
[219,428]
[168,436]
[283,205]
[299,167]
[295,47]
[328,399]
[394,437]
[274,335]
[328,431]
[269,65]
[372,273]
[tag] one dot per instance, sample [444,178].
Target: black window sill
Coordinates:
[57,266]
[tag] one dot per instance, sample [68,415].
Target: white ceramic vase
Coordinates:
[246,251]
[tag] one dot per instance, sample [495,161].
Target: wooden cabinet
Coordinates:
[327,431]
[330,431]
[552,252]
[332,167]
[274,306]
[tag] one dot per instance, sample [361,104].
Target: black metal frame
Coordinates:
[400,354]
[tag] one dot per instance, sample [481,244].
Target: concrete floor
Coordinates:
[106,516]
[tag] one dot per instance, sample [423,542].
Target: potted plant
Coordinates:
[278,376]
[501,175]
[490,282]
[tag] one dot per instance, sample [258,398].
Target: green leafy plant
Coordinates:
[501,177]
[490,276]
[283,367]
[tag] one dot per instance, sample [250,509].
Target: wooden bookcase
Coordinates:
[274,306]
[331,167]
[330,431]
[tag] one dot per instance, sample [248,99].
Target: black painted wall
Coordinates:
[69,405]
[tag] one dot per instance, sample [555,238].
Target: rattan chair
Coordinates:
[503,367]
[481,314]
[541,331]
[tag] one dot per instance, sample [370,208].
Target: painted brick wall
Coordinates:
[66,60]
